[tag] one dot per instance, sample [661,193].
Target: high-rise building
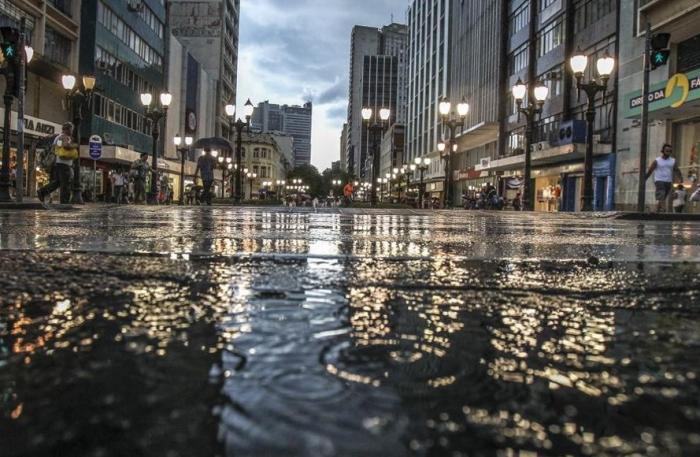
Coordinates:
[293,120]
[209,30]
[343,148]
[377,80]
[428,72]
[674,113]
[297,122]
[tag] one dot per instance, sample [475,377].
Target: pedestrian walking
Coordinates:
[679,198]
[66,151]
[664,169]
[120,183]
[140,170]
[206,165]
[347,193]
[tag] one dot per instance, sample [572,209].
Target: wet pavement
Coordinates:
[261,332]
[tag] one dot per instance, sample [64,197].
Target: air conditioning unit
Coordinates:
[540,146]
[107,138]
[569,132]
[101,65]
[135,6]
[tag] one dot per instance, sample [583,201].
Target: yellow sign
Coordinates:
[678,80]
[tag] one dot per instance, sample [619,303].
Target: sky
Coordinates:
[292,51]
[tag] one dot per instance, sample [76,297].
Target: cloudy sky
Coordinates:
[297,50]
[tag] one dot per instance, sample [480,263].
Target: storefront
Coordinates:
[96,176]
[36,131]
[676,101]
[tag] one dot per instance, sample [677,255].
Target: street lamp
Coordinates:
[452,121]
[155,114]
[605,66]
[375,129]
[239,124]
[183,151]
[532,109]
[251,177]
[422,164]
[77,100]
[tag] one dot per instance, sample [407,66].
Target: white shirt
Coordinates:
[680,198]
[664,169]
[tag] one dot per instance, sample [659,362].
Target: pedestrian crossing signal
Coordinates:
[659,58]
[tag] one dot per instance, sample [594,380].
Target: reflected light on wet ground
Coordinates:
[170,331]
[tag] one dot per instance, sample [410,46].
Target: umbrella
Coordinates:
[215,142]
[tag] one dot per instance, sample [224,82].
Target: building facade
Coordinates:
[52,29]
[293,120]
[377,80]
[538,38]
[428,74]
[262,157]
[209,29]
[674,110]
[343,148]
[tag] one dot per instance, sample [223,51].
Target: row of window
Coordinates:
[57,47]
[121,30]
[262,153]
[119,114]
[150,18]
[587,12]
[122,73]
[519,19]
[550,37]
[518,59]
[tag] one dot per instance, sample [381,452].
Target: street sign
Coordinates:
[95,147]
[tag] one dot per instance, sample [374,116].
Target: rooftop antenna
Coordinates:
[392,18]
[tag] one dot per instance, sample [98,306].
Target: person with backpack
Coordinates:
[65,151]
[206,164]
[140,168]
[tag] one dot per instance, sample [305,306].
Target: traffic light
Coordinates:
[9,45]
[659,50]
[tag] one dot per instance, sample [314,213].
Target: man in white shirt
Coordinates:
[664,168]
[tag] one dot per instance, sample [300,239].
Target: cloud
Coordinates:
[299,50]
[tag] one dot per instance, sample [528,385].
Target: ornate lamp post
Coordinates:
[77,100]
[251,177]
[183,151]
[239,125]
[375,127]
[533,108]
[452,121]
[605,66]
[422,164]
[155,114]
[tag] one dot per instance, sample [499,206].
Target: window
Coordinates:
[63,6]
[515,142]
[544,4]
[121,30]
[150,18]
[57,47]
[518,59]
[550,37]
[587,12]
[519,19]
[115,112]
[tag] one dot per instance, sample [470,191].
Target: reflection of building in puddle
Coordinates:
[398,339]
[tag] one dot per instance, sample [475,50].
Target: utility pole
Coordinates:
[641,197]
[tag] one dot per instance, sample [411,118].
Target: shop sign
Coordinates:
[33,125]
[673,93]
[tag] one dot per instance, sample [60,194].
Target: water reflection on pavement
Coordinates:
[198,332]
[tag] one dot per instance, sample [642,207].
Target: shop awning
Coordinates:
[478,135]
